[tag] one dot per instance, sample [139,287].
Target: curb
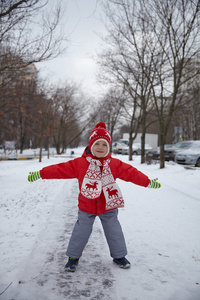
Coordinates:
[19,158]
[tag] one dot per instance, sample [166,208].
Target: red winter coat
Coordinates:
[77,168]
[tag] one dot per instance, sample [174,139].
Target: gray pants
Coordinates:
[83,229]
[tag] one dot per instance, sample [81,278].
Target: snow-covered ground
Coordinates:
[161,227]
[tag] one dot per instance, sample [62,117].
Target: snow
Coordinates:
[161,228]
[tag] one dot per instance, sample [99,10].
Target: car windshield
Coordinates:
[195,146]
[183,145]
[168,146]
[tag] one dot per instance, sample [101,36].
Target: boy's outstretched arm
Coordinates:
[34,176]
[154,184]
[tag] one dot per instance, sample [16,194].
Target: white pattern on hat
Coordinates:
[93,134]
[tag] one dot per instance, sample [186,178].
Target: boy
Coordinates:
[99,195]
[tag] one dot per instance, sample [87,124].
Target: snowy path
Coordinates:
[39,274]
[162,230]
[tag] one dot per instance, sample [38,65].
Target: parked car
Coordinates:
[117,147]
[124,141]
[155,153]
[190,156]
[136,149]
[178,147]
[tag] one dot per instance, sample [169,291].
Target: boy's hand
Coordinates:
[154,184]
[34,176]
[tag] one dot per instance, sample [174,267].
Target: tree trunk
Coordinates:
[41,142]
[143,148]
[162,150]
[143,132]
[130,144]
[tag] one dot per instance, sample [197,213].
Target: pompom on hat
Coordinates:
[99,133]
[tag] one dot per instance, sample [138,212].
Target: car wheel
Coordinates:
[198,163]
[134,152]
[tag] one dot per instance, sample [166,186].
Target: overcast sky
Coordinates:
[82,23]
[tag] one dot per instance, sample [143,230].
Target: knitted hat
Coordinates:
[99,133]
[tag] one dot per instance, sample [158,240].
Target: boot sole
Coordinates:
[70,270]
[127,266]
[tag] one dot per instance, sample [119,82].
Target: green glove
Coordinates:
[34,176]
[153,184]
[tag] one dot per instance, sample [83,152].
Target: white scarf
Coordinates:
[94,181]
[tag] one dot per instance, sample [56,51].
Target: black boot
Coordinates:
[122,262]
[71,264]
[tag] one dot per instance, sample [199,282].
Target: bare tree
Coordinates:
[30,32]
[167,33]
[43,120]
[68,114]
[133,116]
[110,108]
[17,114]
[187,118]
[175,27]
[125,60]
[32,29]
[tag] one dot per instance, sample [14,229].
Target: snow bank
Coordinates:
[161,227]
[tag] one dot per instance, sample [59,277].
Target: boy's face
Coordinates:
[100,149]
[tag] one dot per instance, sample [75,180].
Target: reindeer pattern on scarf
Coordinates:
[95,181]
